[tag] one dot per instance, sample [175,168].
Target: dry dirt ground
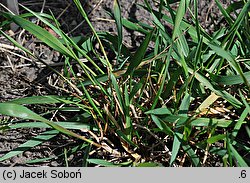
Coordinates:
[21,77]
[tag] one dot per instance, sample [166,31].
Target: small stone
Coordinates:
[27,154]
[54,163]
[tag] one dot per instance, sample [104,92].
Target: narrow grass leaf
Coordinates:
[138,86]
[216,138]
[162,126]
[224,12]
[230,80]
[181,120]
[183,110]
[234,6]
[128,119]
[39,139]
[15,43]
[41,16]
[229,57]
[179,16]
[113,39]
[241,162]
[149,164]
[245,102]
[191,154]
[85,16]
[240,122]
[183,45]
[102,163]
[239,19]
[125,138]
[136,59]
[176,146]
[133,26]
[68,125]
[224,94]
[53,99]
[41,160]
[42,34]
[159,111]
[118,90]
[118,20]
[12,109]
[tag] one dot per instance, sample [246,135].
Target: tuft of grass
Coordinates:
[181,104]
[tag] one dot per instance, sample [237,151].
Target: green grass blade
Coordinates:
[179,121]
[234,28]
[162,126]
[92,103]
[118,20]
[244,101]
[44,20]
[224,12]
[230,80]
[118,91]
[15,110]
[41,34]
[159,111]
[149,164]
[128,119]
[133,26]
[234,6]
[240,122]
[125,138]
[15,43]
[39,139]
[49,99]
[136,88]
[216,138]
[102,163]
[182,8]
[191,154]
[176,146]
[229,57]
[139,54]
[241,162]
[183,110]
[222,93]
[83,13]
[73,125]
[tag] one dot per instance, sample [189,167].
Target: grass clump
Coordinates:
[181,103]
